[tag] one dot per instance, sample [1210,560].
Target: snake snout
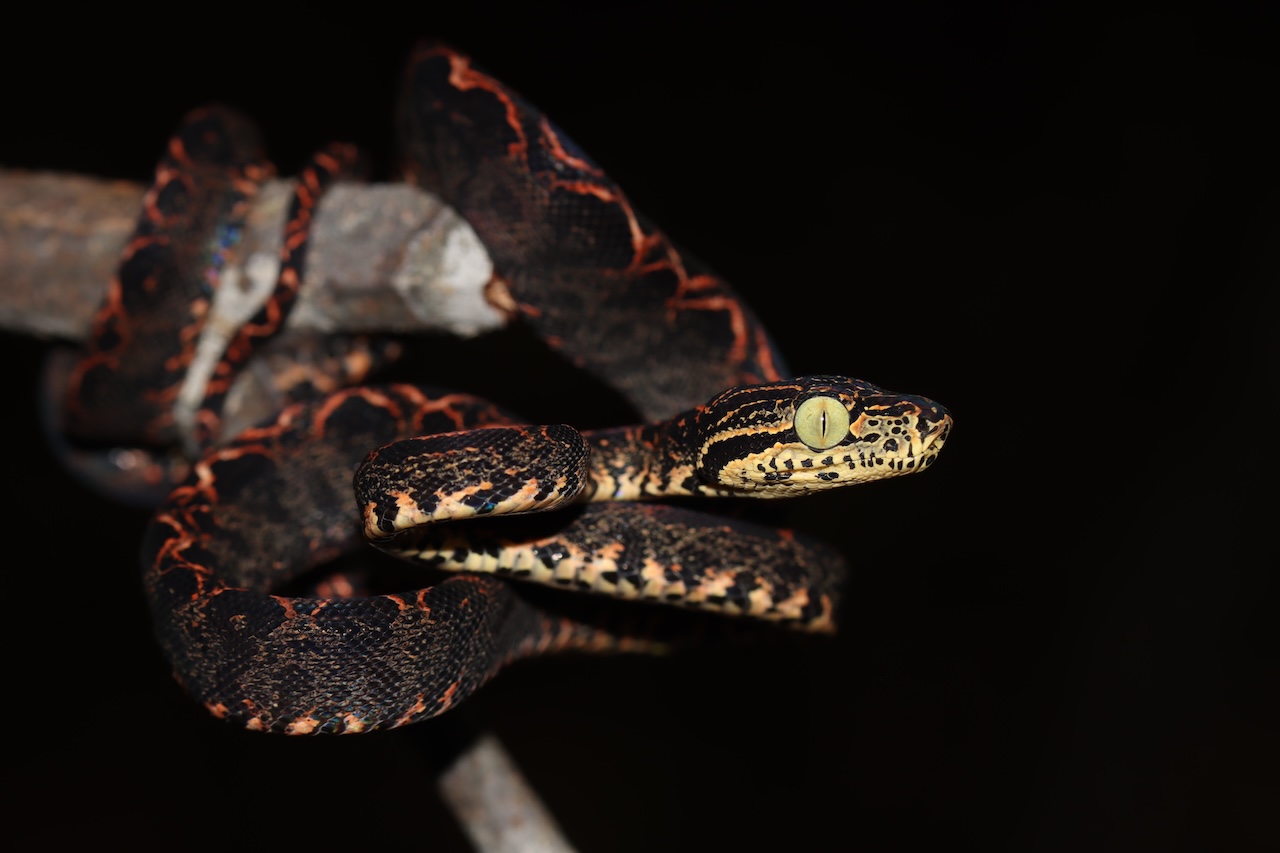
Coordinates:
[933,425]
[934,421]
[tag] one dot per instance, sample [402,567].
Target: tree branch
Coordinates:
[383,258]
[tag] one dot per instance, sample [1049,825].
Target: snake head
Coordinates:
[819,432]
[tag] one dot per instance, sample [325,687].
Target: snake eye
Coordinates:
[822,422]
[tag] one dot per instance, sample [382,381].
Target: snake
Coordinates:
[494,539]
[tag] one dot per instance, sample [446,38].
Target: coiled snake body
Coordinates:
[229,559]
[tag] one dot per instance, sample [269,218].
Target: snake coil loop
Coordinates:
[446,480]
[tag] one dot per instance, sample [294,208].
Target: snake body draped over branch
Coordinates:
[258,621]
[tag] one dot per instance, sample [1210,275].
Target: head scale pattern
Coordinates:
[815,433]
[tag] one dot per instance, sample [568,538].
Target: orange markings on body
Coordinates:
[295,235]
[737,319]
[178,151]
[450,404]
[642,244]
[171,557]
[558,150]
[447,699]
[407,717]
[463,77]
[764,354]
[302,726]
[328,161]
[239,451]
[286,604]
[164,176]
[335,402]
[307,192]
[581,187]
[612,552]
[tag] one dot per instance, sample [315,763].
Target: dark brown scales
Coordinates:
[261,625]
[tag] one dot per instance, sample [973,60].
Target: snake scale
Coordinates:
[500,524]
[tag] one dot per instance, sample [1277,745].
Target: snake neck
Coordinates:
[647,461]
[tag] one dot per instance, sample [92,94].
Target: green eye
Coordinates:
[822,422]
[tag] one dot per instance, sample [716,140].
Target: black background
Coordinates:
[1062,637]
